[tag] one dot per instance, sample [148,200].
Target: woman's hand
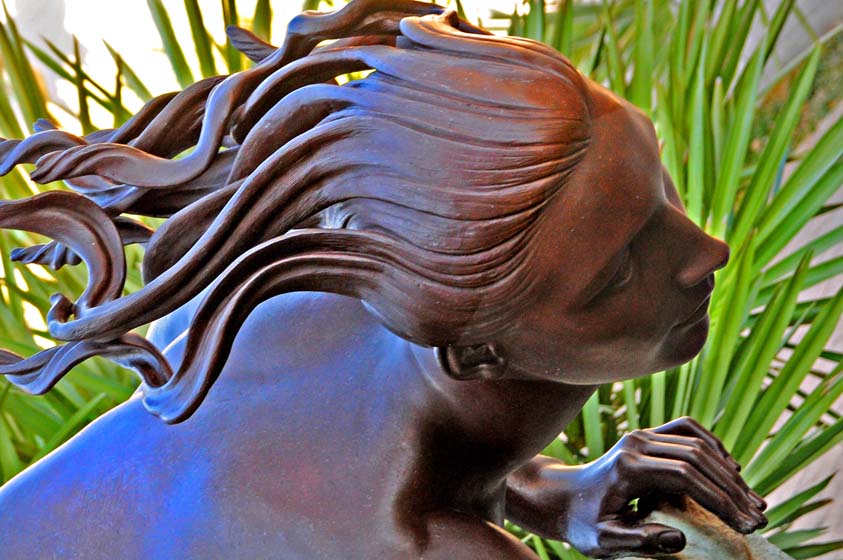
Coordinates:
[590,506]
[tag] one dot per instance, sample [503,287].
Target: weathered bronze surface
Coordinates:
[387,297]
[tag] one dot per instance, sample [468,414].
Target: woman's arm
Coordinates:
[538,495]
[589,505]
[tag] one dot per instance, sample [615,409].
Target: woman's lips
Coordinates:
[700,312]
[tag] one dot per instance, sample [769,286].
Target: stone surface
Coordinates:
[709,538]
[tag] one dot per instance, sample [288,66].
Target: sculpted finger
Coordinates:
[648,475]
[687,426]
[727,480]
[759,502]
[715,456]
[618,539]
[701,444]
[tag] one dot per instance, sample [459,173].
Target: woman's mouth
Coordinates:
[699,313]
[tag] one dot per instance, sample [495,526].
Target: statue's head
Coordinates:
[477,192]
[624,276]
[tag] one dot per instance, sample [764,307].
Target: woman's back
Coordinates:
[285,452]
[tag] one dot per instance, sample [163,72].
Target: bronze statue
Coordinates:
[468,241]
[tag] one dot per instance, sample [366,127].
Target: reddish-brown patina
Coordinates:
[387,297]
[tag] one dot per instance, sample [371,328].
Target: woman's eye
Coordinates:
[623,274]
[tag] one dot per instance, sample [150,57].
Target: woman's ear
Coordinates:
[476,361]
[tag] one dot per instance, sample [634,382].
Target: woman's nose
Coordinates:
[709,255]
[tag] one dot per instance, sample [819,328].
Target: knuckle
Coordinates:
[696,454]
[697,443]
[684,469]
[622,464]
[625,458]
[636,437]
[695,427]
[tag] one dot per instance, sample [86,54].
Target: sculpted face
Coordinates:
[625,275]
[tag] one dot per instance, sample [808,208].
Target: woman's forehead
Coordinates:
[614,191]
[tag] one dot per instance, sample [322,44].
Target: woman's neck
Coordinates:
[513,414]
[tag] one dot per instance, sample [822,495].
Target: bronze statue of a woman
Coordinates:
[387,297]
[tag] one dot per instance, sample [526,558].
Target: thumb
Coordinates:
[616,538]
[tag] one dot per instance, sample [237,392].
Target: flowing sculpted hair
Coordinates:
[417,189]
